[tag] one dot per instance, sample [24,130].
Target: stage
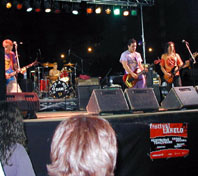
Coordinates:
[134,141]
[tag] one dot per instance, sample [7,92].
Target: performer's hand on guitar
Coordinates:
[23,70]
[135,76]
[168,74]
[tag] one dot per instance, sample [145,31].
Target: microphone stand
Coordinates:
[17,57]
[81,60]
[194,61]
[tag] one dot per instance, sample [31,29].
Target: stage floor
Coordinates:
[60,115]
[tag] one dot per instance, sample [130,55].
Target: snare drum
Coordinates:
[59,89]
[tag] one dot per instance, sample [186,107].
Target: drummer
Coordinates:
[54,73]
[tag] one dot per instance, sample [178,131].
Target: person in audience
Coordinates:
[13,156]
[83,146]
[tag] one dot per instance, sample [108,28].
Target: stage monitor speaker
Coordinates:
[26,101]
[26,85]
[181,97]
[84,93]
[107,101]
[141,99]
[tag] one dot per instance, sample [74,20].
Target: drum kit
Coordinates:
[62,86]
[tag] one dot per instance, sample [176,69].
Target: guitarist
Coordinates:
[170,63]
[132,64]
[10,67]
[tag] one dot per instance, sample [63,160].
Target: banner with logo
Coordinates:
[168,140]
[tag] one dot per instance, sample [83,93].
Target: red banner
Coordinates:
[168,140]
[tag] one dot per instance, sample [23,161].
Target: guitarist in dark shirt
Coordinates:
[132,63]
[171,63]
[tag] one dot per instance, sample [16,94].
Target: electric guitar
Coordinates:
[129,81]
[170,79]
[9,75]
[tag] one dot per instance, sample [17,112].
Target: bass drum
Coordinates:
[59,89]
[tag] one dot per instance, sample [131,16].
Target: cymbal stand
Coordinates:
[39,82]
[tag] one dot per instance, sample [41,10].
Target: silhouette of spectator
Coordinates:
[83,146]
[13,156]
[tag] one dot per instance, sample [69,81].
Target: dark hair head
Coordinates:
[167,45]
[132,40]
[83,146]
[11,129]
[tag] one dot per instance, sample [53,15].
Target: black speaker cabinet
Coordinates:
[181,97]
[26,101]
[107,101]
[141,99]
[84,93]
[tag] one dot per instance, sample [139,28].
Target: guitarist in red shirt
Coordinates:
[132,63]
[11,67]
[170,64]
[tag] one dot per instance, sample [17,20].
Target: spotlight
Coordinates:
[47,6]
[116,11]
[108,11]
[37,5]
[19,6]
[57,7]
[27,6]
[98,10]
[75,9]
[126,13]
[89,10]
[134,12]
[8,4]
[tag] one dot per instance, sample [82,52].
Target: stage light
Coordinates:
[37,5]
[27,6]
[62,56]
[98,10]
[116,11]
[8,5]
[90,49]
[19,6]
[150,49]
[134,12]
[108,11]
[75,9]
[89,10]
[47,6]
[126,13]
[57,8]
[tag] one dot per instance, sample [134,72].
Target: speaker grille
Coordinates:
[107,101]
[142,99]
[180,97]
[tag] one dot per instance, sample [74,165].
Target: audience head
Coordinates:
[11,129]
[83,146]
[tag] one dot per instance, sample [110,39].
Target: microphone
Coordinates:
[14,42]
[69,52]
[184,41]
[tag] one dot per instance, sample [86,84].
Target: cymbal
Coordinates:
[69,64]
[47,64]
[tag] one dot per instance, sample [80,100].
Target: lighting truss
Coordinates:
[128,3]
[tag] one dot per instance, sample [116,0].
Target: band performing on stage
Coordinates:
[51,81]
